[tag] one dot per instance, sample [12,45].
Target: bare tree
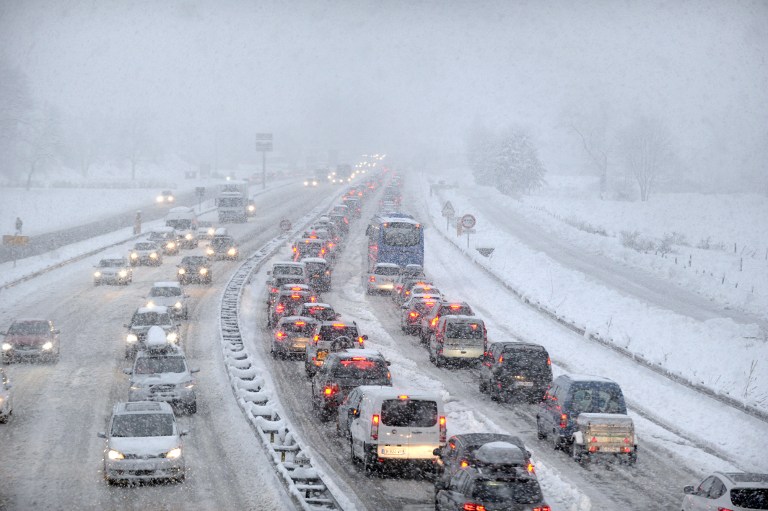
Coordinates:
[647,148]
[598,155]
[15,112]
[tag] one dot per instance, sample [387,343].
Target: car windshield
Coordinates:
[310,249]
[165,291]
[141,425]
[29,328]
[333,333]
[159,235]
[288,270]
[181,224]
[315,268]
[464,331]
[750,498]
[454,310]
[194,261]
[111,263]
[414,413]
[220,242]
[145,246]
[597,398]
[387,270]
[363,369]
[156,365]
[231,202]
[151,318]
[400,234]
[519,491]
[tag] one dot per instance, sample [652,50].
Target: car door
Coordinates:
[351,403]
[699,500]
[548,408]
[486,367]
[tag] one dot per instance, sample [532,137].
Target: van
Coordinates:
[393,425]
[458,339]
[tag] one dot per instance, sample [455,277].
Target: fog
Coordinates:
[199,79]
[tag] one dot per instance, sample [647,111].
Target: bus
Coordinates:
[395,238]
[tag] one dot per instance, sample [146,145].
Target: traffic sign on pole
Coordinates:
[285,225]
[468,221]
[448,210]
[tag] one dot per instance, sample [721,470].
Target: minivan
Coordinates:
[395,424]
[515,370]
[457,339]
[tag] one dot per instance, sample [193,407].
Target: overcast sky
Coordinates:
[396,76]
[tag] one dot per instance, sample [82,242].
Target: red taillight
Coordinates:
[371,279]
[295,249]
[724,509]
[471,506]
[563,420]
[375,427]
[280,308]
[443,429]
[414,314]
[464,464]
[501,359]
[542,508]
[360,340]
[531,468]
[300,323]
[455,307]
[280,335]
[434,322]
[330,390]
[273,290]
[549,361]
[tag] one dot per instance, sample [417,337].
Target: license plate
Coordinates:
[609,449]
[321,355]
[394,451]
[523,384]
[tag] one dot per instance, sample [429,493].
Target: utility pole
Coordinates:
[263,145]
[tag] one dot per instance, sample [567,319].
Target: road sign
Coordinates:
[9,239]
[468,221]
[448,210]
[263,142]
[285,224]
[264,136]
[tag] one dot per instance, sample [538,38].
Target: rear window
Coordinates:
[423,307]
[329,333]
[298,327]
[288,270]
[597,398]
[387,270]
[145,246]
[525,358]
[750,498]
[111,263]
[520,491]
[360,369]
[455,310]
[412,413]
[464,331]
[321,313]
[315,267]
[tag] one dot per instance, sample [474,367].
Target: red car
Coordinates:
[31,339]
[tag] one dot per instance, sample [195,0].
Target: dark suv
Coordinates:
[344,371]
[515,369]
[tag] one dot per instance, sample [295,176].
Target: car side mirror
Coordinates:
[689,490]
[354,412]
[440,485]
[438,451]
[364,337]
[127,370]
[195,370]
[184,432]
[101,434]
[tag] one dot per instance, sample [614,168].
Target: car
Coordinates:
[354,206]
[143,443]
[31,339]
[113,269]
[382,427]
[492,486]
[428,323]
[311,181]
[222,246]
[319,273]
[167,238]
[318,311]
[341,223]
[169,294]
[407,272]
[146,253]
[142,320]
[288,302]
[291,336]
[194,269]
[460,452]
[329,337]
[160,373]
[165,197]
[250,209]
[402,291]
[513,369]
[458,339]
[342,372]
[308,247]
[6,397]
[732,491]
[184,220]
[205,229]
[382,278]
[286,269]
[412,311]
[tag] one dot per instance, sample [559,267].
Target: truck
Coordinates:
[232,202]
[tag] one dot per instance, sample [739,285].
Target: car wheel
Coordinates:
[352,453]
[556,444]
[541,435]
[577,453]
[191,408]
[483,387]
[439,360]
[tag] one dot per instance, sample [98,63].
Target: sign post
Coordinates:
[200,192]
[448,213]
[15,242]
[263,145]
[467,223]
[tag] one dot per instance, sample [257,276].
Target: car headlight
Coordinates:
[136,386]
[171,245]
[187,384]
[123,273]
[134,255]
[115,455]
[150,303]
[160,198]
[232,251]
[48,346]
[251,208]
[182,271]
[209,251]
[153,255]
[172,337]
[131,338]
[177,305]
[170,199]
[188,236]
[203,271]
[7,346]
[211,231]
[97,274]
[174,453]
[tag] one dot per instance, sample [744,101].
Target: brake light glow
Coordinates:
[273,290]
[501,359]
[549,361]
[563,420]
[434,322]
[471,506]
[414,314]
[375,427]
[402,396]
[531,468]
[473,326]
[295,288]
[280,335]
[295,297]
[330,390]
[443,429]
[360,340]
[280,308]
[339,325]
[546,508]
[464,464]
[316,337]
[371,279]
[300,323]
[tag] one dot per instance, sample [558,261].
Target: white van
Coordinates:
[396,424]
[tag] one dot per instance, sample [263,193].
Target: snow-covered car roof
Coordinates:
[142,407]
[387,265]
[162,230]
[113,256]
[161,309]
[461,318]
[314,260]
[166,284]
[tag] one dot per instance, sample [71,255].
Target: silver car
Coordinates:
[143,444]
[170,295]
[6,397]
[113,270]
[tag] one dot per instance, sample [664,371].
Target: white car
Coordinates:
[171,295]
[113,269]
[382,278]
[732,491]
[143,443]
[6,397]
[146,252]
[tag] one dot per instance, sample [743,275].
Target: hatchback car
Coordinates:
[146,253]
[6,397]
[732,491]
[288,303]
[113,270]
[291,336]
[222,247]
[142,320]
[170,295]
[461,452]
[515,370]
[444,308]
[167,239]
[194,269]
[329,337]
[382,278]
[31,339]
[143,443]
[413,310]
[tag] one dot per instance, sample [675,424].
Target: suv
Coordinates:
[288,303]
[489,486]
[194,269]
[160,373]
[344,371]
[146,252]
[170,295]
[460,452]
[291,336]
[142,320]
[143,443]
[458,339]
[382,278]
[222,246]
[6,397]
[444,308]
[318,273]
[31,338]
[736,491]
[328,337]
[167,238]
[515,369]
[308,247]
[113,270]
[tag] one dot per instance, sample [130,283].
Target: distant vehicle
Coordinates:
[458,339]
[232,202]
[587,417]
[516,369]
[342,175]
[31,339]
[184,221]
[732,491]
[444,308]
[251,207]
[318,311]
[319,273]
[170,295]
[288,302]
[341,373]
[402,290]
[308,247]
[291,336]
[6,397]
[222,246]
[311,181]
[146,253]
[160,373]
[142,320]
[412,311]
[113,269]
[143,443]
[205,230]
[395,238]
[165,197]
[195,269]
[167,238]
[381,278]
[329,337]
[407,273]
